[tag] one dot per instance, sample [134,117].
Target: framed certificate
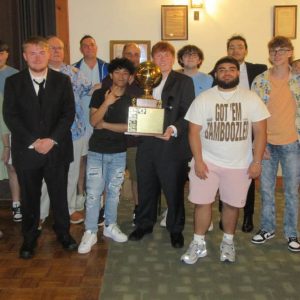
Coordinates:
[174,22]
[116,48]
[285,21]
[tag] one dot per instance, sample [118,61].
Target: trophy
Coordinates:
[146,115]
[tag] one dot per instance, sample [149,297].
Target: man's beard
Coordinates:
[228,85]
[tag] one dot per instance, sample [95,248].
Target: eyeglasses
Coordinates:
[279,51]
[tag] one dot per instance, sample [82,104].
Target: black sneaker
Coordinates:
[101,217]
[262,236]
[293,244]
[17,215]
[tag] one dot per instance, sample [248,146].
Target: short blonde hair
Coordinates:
[35,40]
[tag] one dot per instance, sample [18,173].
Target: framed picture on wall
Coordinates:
[116,48]
[174,22]
[285,21]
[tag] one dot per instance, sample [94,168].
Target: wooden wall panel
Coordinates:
[62,25]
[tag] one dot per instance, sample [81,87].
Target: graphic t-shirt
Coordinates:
[226,134]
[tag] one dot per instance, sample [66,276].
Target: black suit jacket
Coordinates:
[28,120]
[177,96]
[252,71]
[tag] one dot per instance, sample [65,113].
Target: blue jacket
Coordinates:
[102,66]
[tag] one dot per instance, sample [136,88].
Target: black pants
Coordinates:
[249,207]
[156,173]
[30,180]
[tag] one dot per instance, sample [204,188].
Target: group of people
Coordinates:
[67,126]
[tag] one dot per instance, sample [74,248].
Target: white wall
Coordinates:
[109,20]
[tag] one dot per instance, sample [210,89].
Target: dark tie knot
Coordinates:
[40,84]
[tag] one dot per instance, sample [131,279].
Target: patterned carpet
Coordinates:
[151,269]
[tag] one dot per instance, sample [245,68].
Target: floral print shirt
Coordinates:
[81,87]
[261,85]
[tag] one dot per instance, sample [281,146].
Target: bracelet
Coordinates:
[257,162]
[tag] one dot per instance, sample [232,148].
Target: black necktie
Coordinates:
[41,90]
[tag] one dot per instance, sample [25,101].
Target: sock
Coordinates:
[228,238]
[200,239]
[16,203]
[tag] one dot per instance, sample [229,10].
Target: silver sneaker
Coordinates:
[194,252]
[227,252]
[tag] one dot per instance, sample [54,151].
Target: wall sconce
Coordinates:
[196,3]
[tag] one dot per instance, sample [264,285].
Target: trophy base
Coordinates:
[145,121]
[146,102]
[143,134]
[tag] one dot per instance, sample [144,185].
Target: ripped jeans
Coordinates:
[289,158]
[103,172]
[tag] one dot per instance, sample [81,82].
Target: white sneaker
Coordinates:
[293,244]
[163,222]
[194,252]
[227,252]
[88,240]
[113,231]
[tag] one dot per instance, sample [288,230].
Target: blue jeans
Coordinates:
[104,172]
[289,158]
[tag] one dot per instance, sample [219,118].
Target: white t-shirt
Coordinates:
[226,134]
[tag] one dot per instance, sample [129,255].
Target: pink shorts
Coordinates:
[233,185]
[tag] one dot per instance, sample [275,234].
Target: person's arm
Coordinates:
[116,127]
[11,114]
[67,114]
[187,95]
[259,145]
[64,123]
[97,114]
[201,169]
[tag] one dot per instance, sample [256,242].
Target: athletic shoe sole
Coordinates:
[191,262]
[263,239]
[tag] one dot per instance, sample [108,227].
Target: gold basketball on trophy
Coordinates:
[148,76]
[146,117]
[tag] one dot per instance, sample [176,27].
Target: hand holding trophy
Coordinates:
[146,117]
